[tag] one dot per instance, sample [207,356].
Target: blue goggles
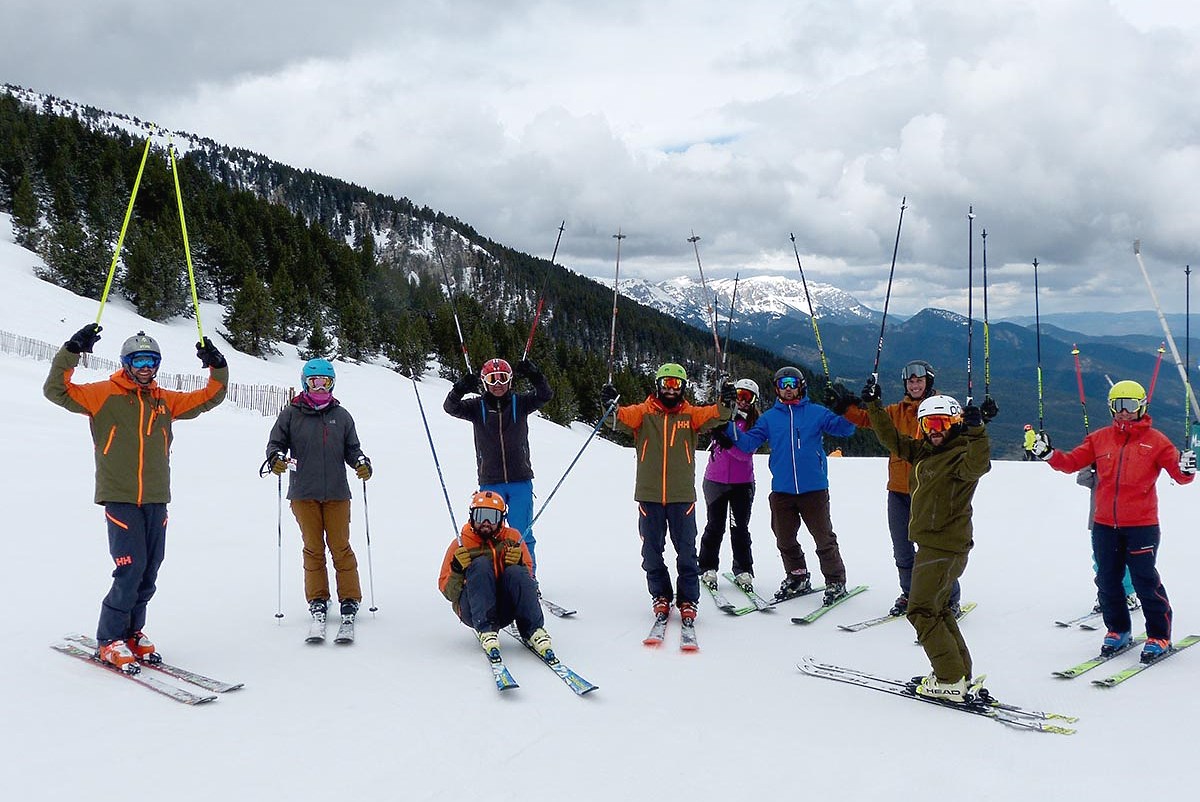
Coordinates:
[787,383]
[143,360]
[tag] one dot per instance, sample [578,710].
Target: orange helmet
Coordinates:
[487,507]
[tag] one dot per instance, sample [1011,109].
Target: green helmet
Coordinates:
[671,369]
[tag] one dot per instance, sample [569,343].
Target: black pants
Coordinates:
[1135,547]
[137,540]
[722,501]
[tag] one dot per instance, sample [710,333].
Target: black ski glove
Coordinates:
[723,440]
[469,383]
[728,395]
[972,416]
[989,409]
[608,394]
[525,369]
[210,357]
[84,340]
[871,391]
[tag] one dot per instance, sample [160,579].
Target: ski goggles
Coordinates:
[915,370]
[319,384]
[141,361]
[787,383]
[1133,405]
[486,515]
[496,378]
[936,423]
[670,383]
[746,396]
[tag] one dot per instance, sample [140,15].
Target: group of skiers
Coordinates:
[939,450]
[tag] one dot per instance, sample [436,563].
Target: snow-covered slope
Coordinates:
[410,711]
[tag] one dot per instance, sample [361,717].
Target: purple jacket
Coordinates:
[730,466]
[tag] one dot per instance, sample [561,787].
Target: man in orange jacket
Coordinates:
[131,419]
[487,579]
[1128,456]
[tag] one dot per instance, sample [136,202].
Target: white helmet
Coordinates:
[940,405]
[747,384]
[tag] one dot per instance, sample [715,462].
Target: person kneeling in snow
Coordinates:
[946,467]
[487,578]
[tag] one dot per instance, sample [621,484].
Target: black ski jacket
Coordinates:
[501,429]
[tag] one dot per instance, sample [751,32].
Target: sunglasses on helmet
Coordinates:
[787,383]
[497,377]
[670,383]
[936,423]
[140,361]
[319,383]
[1125,405]
[486,515]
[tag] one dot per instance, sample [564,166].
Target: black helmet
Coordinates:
[790,372]
[919,368]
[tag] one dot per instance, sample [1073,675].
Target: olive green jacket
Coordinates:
[942,482]
[665,440]
[131,426]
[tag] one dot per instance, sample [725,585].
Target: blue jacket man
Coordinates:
[795,428]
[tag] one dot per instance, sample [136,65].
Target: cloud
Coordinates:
[1068,126]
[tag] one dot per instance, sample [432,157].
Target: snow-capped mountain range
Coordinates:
[759,299]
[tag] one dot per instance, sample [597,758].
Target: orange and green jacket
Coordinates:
[131,426]
[666,446]
[904,418]
[451,581]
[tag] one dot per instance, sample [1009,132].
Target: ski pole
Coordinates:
[729,322]
[813,315]
[279,550]
[712,316]
[542,294]
[612,337]
[112,268]
[187,248]
[370,570]
[454,311]
[436,463]
[1037,317]
[1187,356]
[1162,349]
[1079,379]
[970,295]
[987,347]
[609,411]
[1183,375]
[888,297]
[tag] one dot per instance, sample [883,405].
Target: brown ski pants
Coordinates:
[321,523]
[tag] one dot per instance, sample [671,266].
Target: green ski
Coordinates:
[1121,676]
[824,608]
[1100,659]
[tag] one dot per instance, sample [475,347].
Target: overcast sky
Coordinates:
[1071,126]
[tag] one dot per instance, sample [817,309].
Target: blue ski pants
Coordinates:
[137,539]
[653,522]
[519,498]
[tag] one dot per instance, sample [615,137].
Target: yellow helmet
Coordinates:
[1127,396]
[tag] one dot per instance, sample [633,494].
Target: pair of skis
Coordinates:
[504,678]
[1127,673]
[84,648]
[1092,620]
[345,632]
[883,619]
[688,642]
[826,607]
[757,603]
[980,703]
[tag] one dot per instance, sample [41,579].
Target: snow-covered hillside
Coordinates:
[410,711]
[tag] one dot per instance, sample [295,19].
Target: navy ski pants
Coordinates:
[137,540]
[489,602]
[653,522]
[1135,548]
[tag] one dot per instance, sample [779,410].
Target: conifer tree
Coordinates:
[155,278]
[318,346]
[26,216]
[251,318]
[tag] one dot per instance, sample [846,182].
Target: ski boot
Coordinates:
[794,584]
[143,648]
[745,581]
[833,592]
[1114,642]
[1154,649]
[900,607]
[933,688]
[116,653]
[709,578]
[540,641]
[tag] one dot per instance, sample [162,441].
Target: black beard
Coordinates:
[670,403]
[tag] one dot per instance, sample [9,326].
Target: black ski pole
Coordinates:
[612,338]
[812,315]
[970,295]
[454,310]
[729,322]
[436,463]
[542,294]
[712,315]
[888,297]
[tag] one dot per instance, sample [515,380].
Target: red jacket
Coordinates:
[1128,458]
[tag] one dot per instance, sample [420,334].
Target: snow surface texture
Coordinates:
[410,711]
